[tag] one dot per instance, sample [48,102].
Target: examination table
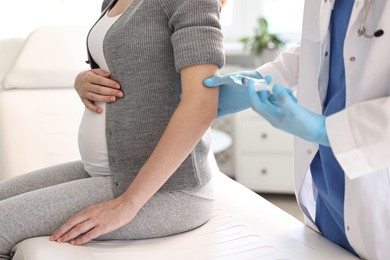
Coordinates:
[243,226]
[39,116]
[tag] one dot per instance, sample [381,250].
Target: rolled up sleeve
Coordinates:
[197,37]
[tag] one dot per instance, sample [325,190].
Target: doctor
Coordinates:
[341,69]
[342,119]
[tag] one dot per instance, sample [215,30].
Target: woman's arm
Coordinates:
[194,115]
[192,118]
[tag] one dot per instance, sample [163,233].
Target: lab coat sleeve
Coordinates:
[284,69]
[360,137]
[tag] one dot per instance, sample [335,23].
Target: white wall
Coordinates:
[19,18]
[239,17]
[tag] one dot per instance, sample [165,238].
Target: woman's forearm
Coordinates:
[186,127]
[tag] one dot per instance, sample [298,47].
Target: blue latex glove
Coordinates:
[233,96]
[283,112]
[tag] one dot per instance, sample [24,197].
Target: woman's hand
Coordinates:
[96,221]
[96,85]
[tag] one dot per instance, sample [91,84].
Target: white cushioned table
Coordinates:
[243,226]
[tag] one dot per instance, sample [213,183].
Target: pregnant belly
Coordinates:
[93,143]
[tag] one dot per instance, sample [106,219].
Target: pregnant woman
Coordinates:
[144,170]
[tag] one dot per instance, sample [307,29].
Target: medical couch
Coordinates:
[39,109]
[39,117]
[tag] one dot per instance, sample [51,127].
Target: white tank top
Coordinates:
[92,135]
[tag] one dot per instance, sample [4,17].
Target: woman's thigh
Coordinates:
[166,213]
[43,178]
[41,212]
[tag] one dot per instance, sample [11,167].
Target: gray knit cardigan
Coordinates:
[145,50]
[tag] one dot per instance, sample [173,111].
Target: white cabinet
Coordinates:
[264,154]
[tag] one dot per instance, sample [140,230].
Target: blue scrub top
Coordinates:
[326,172]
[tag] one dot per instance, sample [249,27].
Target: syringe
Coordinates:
[258,84]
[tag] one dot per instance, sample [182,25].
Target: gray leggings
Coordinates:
[38,203]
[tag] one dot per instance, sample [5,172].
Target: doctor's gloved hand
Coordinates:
[232,94]
[283,112]
[95,85]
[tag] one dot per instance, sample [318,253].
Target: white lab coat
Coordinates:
[360,134]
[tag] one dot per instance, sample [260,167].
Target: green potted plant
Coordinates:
[263,44]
